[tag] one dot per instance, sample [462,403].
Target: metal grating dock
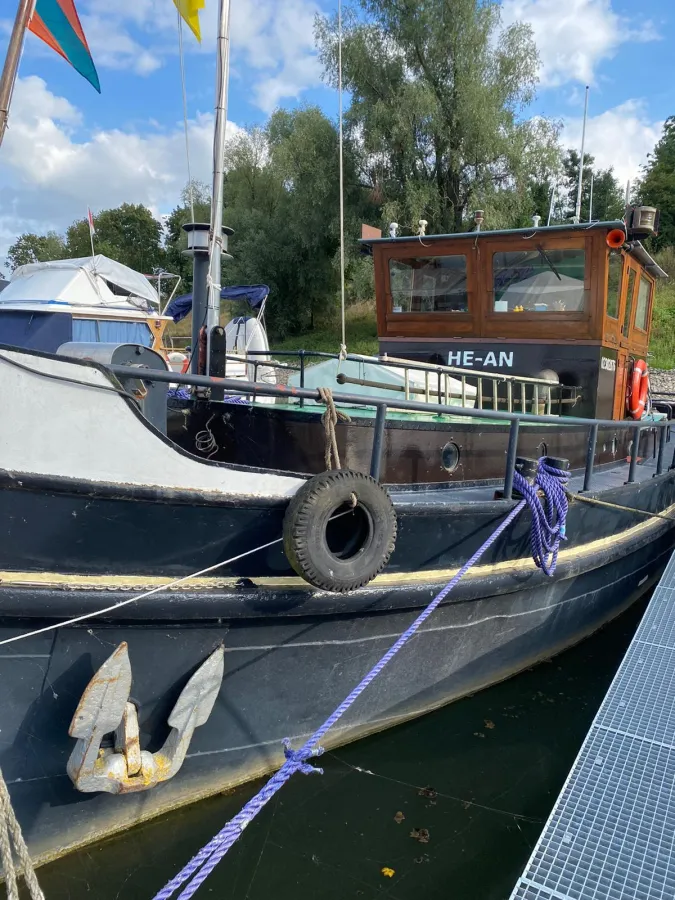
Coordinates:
[611,835]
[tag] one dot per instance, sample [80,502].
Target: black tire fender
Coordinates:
[333,542]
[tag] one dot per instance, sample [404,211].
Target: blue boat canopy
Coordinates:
[181,306]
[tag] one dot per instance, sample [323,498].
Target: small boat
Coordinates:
[88,300]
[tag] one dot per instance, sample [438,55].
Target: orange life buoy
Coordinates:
[636,397]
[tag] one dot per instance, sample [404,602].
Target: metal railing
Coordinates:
[519,391]
[232,386]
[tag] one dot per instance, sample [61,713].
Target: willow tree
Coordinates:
[438,93]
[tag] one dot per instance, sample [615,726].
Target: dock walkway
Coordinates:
[611,835]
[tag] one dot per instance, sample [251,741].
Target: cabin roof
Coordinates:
[636,249]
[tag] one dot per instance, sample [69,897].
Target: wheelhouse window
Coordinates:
[629,302]
[615,270]
[642,309]
[429,284]
[539,279]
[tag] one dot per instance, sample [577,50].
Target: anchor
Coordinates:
[105,708]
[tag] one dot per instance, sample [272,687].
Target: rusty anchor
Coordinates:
[105,708]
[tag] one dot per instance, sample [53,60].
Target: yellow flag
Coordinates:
[189,10]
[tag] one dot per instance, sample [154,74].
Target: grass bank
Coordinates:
[361,328]
[662,343]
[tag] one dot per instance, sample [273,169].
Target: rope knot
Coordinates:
[300,757]
[330,418]
[549,519]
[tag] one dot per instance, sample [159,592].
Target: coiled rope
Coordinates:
[330,418]
[548,521]
[548,529]
[13,845]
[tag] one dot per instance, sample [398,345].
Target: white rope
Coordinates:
[10,834]
[343,345]
[162,587]
[185,114]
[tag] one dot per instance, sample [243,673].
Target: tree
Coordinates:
[437,90]
[129,234]
[30,248]
[657,186]
[608,198]
[195,196]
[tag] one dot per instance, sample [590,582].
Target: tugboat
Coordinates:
[540,320]
[165,620]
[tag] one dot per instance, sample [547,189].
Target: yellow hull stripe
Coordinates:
[425,576]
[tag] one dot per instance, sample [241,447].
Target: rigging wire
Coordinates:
[343,345]
[185,115]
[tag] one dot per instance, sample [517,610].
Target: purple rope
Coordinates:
[548,521]
[205,861]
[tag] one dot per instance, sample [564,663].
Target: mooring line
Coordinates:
[119,604]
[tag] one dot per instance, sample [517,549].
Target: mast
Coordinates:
[577,211]
[11,67]
[216,231]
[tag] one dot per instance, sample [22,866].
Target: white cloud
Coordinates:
[573,37]
[48,177]
[620,137]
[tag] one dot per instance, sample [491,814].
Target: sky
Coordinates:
[68,148]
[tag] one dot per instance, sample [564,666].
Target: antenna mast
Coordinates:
[11,67]
[343,345]
[577,211]
[216,230]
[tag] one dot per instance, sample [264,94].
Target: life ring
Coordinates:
[340,530]
[185,366]
[638,391]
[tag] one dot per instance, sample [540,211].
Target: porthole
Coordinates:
[450,457]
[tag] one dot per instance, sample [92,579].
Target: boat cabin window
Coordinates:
[539,279]
[629,302]
[429,284]
[615,269]
[110,331]
[644,294]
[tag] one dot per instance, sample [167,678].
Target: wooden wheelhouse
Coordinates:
[572,302]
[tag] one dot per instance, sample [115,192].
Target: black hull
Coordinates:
[293,440]
[292,653]
[110,508]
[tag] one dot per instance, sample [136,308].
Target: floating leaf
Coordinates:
[387,872]
[399,817]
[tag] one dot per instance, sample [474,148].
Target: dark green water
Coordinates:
[496,762]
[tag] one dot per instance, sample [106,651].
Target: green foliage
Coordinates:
[361,332]
[282,199]
[129,234]
[657,186]
[30,248]
[437,88]
[662,340]
[608,197]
